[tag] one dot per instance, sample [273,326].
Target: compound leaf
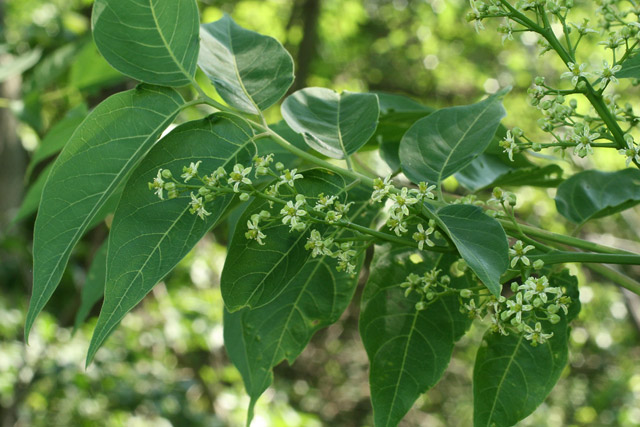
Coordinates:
[101,153]
[408,349]
[333,124]
[250,71]
[150,236]
[154,41]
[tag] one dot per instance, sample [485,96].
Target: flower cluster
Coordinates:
[428,286]
[600,126]
[404,208]
[296,211]
[532,303]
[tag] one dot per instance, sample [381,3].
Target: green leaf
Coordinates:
[103,150]
[154,41]
[259,339]
[446,141]
[255,275]
[397,114]
[333,124]
[481,241]
[93,288]
[630,68]
[90,71]
[595,194]
[32,199]
[489,170]
[251,72]
[408,349]
[150,236]
[57,137]
[511,377]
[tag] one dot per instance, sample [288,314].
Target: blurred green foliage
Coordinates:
[166,364]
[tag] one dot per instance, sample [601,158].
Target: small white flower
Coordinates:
[536,336]
[518,253]
[517,307]
[288,177]
[323,202]
[293,214]
[239,176]
[632,152]
[424,191]
[509,144]
[538,287]
[190,171]
[584,140]
[402,201]
[576,71]
[157,185]
[197,207]
[422,236]
[397,224]
[607,75]
[253,231]
[318,245]
[381,188]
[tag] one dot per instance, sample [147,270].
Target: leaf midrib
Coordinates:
[96,208]
[167,46]
[504,376]
[464,135]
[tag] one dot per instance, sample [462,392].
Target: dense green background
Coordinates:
[166,364]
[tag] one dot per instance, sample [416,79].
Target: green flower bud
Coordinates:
[279,166]
[517,132]
[203,191]
[539,80]
[166,174]
[244,197]
[538,264]
[514,287]
[265,215]
[536,146]
[582,85]
[554,318]
[552,309]
[421,306]
[466,293]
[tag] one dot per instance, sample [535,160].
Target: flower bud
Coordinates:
[265,215]
[554,318]
[279,166]
[466,293]
[421,306]
[244,197]
[538,264]
[166,174]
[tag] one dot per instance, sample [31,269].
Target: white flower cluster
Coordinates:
[400,211]
[533,302]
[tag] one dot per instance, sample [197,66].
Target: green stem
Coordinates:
[562,239]
[617,277]
[565,257]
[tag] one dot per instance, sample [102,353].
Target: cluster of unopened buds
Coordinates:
[429,286]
